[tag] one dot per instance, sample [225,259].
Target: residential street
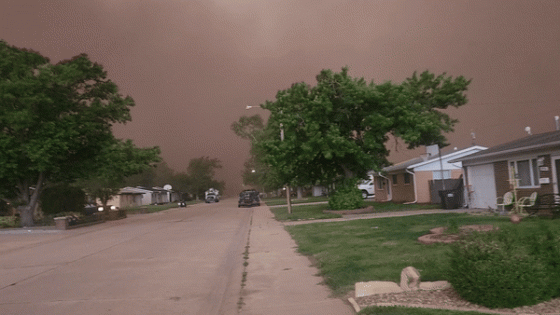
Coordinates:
[180,261]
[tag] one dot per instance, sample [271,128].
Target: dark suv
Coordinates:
[249,198]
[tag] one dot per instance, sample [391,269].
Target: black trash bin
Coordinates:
[450,199]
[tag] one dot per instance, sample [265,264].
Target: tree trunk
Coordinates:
[27,211]
[300,193]
[26,216]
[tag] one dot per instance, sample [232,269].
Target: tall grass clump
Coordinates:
[506,268]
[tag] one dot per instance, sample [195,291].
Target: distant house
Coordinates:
[418,180]
[140,196]
[532,161]
[160,195]
[131,197]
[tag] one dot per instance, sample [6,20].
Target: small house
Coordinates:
[420,179]
[531,163]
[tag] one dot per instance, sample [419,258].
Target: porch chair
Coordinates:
[525,203]
[506,200]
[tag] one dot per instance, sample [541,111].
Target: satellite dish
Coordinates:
[167,187]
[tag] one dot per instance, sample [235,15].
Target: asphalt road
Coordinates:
[181,261]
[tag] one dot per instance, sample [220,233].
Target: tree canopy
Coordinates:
[255,172]
[339,128]
[55,122]
[202,171]
[114,164]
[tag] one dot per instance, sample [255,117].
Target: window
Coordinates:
[407,178]
[380,183]
[436,175]
[395,180]
[525,171]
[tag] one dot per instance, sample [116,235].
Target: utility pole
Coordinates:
[288,192]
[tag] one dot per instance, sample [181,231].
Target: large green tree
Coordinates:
[255,172]
[339,128]
[201,172]
[55,121]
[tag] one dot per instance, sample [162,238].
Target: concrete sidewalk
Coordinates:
[348,217]
[279,280]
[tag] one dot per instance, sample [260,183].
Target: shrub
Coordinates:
[346,197]
[501,269]
[545,244]
[9,222]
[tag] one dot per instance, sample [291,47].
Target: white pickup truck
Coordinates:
[367,186]
[212,195]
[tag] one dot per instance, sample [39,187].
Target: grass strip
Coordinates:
[282,201]
[315,212]
[398,310]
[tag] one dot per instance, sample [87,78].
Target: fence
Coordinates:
[450,184]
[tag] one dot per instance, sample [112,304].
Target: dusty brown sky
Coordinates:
[193,66]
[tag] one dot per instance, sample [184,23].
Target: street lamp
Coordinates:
[288,192]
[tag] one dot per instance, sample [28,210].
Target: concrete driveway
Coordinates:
[181,261]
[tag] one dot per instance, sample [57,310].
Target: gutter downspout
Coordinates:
[415,191]
[389,182]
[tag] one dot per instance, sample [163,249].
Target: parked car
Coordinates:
[249,198]
[91,209]
[182,204]
[367,186]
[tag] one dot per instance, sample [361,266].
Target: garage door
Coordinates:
[483,187]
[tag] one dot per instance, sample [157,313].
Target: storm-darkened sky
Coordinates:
[193,66]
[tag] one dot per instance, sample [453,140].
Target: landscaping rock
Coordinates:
[410,279]
[439,235]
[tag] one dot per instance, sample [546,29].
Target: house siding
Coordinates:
[501,171]
[381,194]
[547,163]
[402,192]
[501,177]
[422,187]
[456,173]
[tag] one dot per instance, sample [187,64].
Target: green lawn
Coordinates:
[378,249]
[314,212]
[282,201]
[304,212]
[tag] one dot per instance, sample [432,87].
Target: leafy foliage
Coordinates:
[62,198]
[340,126]
[502,269]
[55,121]
[346,196]
[256,171]
[248,127]
[202,172]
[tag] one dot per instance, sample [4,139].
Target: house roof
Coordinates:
[530,143]
[402,165]
[134,190]
[420,161]
[454,154]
